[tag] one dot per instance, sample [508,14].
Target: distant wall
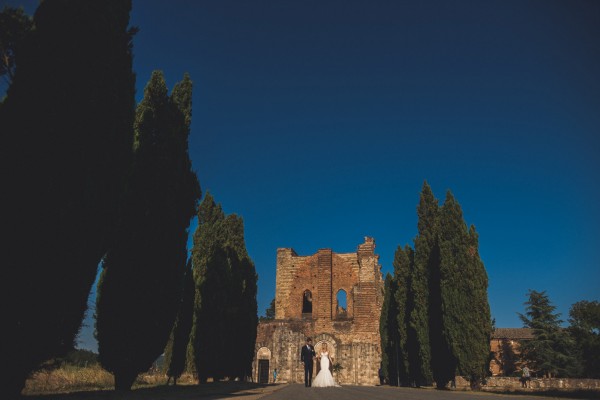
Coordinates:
[514,383]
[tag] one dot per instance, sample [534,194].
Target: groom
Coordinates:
[306,356]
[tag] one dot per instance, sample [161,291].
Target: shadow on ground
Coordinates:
[181,392]
[569,394]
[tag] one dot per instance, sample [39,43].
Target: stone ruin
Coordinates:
[309,302]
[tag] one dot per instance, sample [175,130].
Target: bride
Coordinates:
[324,377]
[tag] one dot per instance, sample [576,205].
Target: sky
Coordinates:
[318,122]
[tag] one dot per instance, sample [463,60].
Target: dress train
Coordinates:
[324,377]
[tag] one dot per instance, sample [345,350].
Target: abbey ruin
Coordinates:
[309,302]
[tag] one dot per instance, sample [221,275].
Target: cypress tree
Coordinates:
[176,350]
[66,124]
[247,319]
[139,288]
[476,363]
[225,310]
[465,316]
[388,329]
[403,264]
[210,216]
[426,259]
[210,292]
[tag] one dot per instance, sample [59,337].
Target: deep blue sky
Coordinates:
[318,121]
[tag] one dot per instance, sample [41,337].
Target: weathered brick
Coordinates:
[352,335]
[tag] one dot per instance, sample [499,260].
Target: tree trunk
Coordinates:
[124,380]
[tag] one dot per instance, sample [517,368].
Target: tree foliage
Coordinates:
[584,319]
[225,310]
[15,25]
[395,319]
[426,260]
[403,265]
[66,125]
[388,329]
[269,312]
[551,352]
[440,307]
[140,285]
[464,309]
[176,349]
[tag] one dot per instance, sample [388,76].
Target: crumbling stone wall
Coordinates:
[352,334]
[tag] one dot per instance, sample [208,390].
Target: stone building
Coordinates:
[504,344]
[334,298]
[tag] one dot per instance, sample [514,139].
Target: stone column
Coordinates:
[324,289]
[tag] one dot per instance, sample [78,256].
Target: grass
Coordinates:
[68,379]
[95,383]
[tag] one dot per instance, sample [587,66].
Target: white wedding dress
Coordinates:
[324,377]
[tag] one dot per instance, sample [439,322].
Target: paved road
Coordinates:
[299,392]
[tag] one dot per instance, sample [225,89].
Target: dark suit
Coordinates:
[306,356]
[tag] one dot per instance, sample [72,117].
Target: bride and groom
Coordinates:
[324,377]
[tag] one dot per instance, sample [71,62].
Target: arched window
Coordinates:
[341,305]
[307,304]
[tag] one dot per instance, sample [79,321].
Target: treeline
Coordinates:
[555,351]
[435,321]
[90,179]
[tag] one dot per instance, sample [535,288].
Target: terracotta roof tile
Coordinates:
[512,333]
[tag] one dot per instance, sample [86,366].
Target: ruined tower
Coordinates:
[308,289]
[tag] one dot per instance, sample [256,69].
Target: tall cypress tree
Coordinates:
[210,293]
[206,239]
[176,350]
[246,318]
[388,330]
[66,124]
[225,309]
[139,288]
[465,315]
[476,363]
[426,260]
[403,265]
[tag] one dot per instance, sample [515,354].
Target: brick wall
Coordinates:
[352,337]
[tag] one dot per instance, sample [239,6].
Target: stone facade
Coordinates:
[306,305]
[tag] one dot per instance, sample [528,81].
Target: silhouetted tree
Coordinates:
[225,310]
[552,351]
[206,239]
[585,330]
[247,320]
[403,264]
[388,330]
[66,149]
[15,25]
[139,289]
[210,293]
[176,350]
